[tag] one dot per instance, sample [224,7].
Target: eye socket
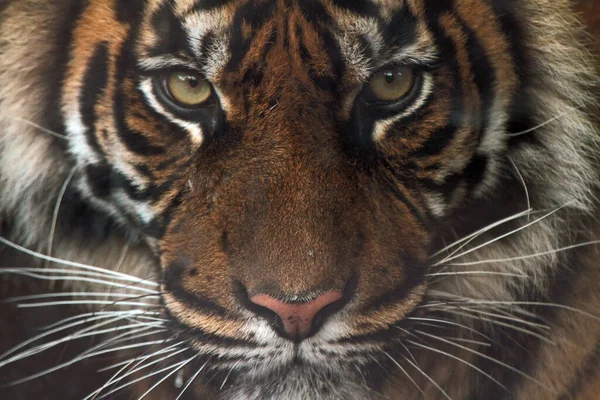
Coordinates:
[187,89]
[391,85]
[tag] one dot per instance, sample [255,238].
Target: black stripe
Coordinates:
[483,73]
[249,14]
[208,5]
[56,75]
[135,141]
[364,8]
[401,30]
[315,13]
[172,38]
[158,226]
[440,138]
[173,277]
[94,84]
[129,11]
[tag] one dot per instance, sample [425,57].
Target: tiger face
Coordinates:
[290,162]
[296,167]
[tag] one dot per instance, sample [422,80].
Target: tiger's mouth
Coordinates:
[342,347]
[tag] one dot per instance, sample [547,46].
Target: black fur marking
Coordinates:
[483,72]
[208,5]
[173,277]
[362,7]
[401,31]
[169,29]
[98,178]
[94,84]
[129,10]
[253,15]
[55,76]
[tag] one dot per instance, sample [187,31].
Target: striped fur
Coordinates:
[289,182]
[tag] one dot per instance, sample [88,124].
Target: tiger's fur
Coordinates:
[290,185]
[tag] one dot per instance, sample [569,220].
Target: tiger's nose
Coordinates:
[298,318]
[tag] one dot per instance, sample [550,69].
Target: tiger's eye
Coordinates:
[392,85]
[187,89]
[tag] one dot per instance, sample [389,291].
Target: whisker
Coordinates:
[84,302]
[134,334]
[59,200]
[507,366]
[87,316]
[154,373]
[142,357]
[478,274]
[500,323]
[70,294]
[481,231]
[404,372]
[191,380]
[80,358]
[71,325]
[522,181]
[40,128]
[136,368]
[434,383]
[537,304]
[471,365]
[451,323]
[55,278]
[227,377]
[542,124]
[535,221]
[541,254]
[75,264]
[179,366]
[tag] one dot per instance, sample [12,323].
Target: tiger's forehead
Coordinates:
[209,34]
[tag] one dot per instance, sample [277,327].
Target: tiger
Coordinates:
[298,199]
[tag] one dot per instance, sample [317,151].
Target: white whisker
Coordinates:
[535,221]
[143,357]
[74,279]
[480,232]
[178,367]
[434,383]
[404,372]
[78,359]
[85,303]
[59,200]
[72,294]
[71,325]
[471,365]
[522,181]
[75,264]
[535,128]
[40,128]
[541,254]
[507,366]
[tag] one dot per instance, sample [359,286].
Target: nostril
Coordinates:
[298,318]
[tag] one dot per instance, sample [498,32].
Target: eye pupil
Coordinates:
[389,77]
[193,82]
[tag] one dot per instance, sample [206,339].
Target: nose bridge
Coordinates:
[289,235]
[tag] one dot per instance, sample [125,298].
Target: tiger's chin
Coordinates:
[299,381]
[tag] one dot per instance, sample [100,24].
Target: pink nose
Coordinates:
[297,317]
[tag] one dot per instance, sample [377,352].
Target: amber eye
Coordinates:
[392,85]
[187,89]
